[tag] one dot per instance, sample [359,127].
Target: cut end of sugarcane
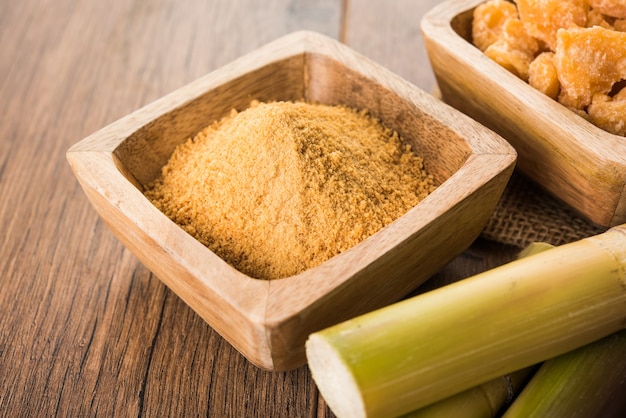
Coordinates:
[333,378]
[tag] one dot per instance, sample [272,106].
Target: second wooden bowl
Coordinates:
[269,321]
[575,161]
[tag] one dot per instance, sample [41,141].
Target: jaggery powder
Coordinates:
[284,186]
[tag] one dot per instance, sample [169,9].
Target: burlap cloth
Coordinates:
[526,213]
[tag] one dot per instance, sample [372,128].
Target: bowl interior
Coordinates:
[310,76]
[462,25]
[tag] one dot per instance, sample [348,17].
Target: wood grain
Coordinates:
[85,329]
[400,49]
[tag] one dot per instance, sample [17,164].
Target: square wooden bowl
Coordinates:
[269,321]
[575,161]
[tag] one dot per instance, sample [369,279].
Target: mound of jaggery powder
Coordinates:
[284,186]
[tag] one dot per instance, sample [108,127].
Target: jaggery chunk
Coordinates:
[595,18]
[609,113]
[620,25]
[515,48]
[589,61]
[613,8]
[488,20]
[282,187]
[542,75]
[543,18]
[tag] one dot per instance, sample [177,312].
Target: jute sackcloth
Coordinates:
[526,213]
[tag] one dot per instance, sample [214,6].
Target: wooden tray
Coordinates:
[577,162]
[268,321]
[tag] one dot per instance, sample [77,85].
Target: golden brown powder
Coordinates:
[284,186]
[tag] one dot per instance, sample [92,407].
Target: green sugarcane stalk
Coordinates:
[587,382]
[488,399]
[416,352]
[484,401]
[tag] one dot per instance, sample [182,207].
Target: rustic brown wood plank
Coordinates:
[389,33]
[85,329]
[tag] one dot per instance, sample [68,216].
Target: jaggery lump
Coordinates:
[609,113]
[620,25]
[596,18]
[515,49]
[613,8]
[489,18]
[589,61]
[543,18]
[542,75]
[281,187]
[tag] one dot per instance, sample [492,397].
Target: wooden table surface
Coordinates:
[85,329]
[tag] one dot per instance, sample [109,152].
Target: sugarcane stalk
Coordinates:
[490,398]
[484,401]
[418,351]
[586,382]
